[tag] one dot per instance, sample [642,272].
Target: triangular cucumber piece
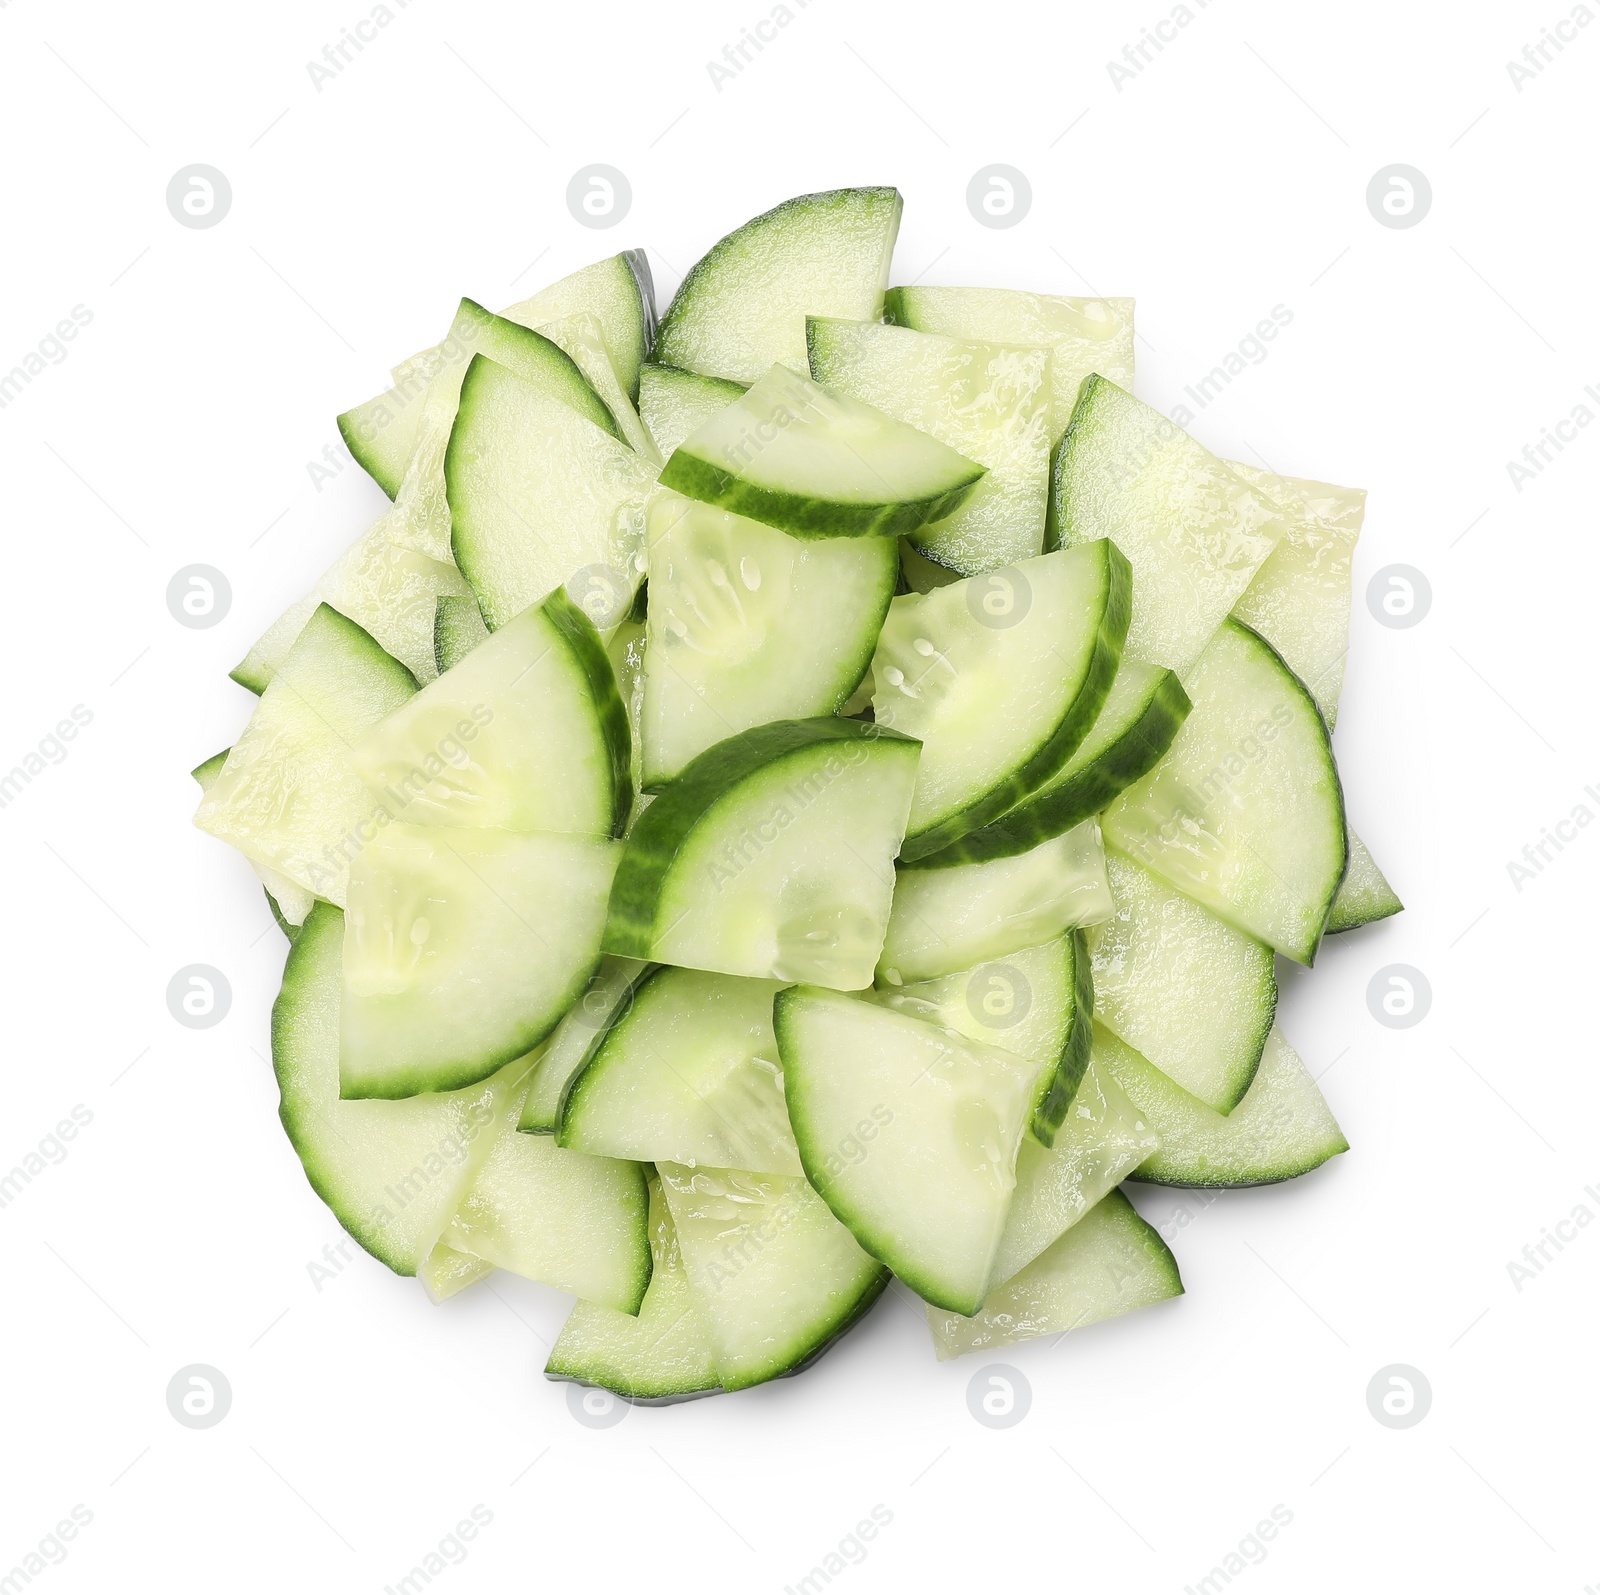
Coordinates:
[606,998]
[289,796]
[458,628]
[1300,598]
[1192,994]
[382,433]
[815,462]
[1083,336]
[584,339]
[771,856]
[946,920]
[1000,677]
[392,1172]
[674,403]
[748,625]
[776,1277]
[744,304]
[619,293]
[1282,1129]
[1364,894]
[1194,532]
[1037,1003]
[527,733]
[626,649]
[463,949]
[990,402]
[445,1272]
[662,1355]
[566,1219]
[1130,736]
[909,1132]
[289,901]
[1245,813]
[1103,1140]
[1108,1263]
[539,495]
[689,1074]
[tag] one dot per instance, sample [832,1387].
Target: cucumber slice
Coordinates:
[538,493]
[1245,813]
[1000,677]
[908,1132]
[1103,1140]
[1281,1129]
[445,1272]
[289,901]
[674,403]
[1192,994]
[626,650]
[1082,335]
[919,574]
[748,625]
[690,1075]
[817,463]
[951,919]
[776,1277]
[527,733]
[1109,1263]
[458,628]
[289,796]
[661,1356]
[744,304]
[463,949]
[1037,1003]
[619,293]
[988,401]
[382,433]
[771,856]
[1130,736]
[1364,895]
[566,1219]
[392,1172]
[1300,598]
[605,999]
[1194,532]
[583,338]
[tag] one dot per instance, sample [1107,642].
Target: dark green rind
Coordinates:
[584,1076]
[802,515]
[1143,1175]
[1352,910]
[828,1335]
[1050,1111]
[291,931]
[535,359]
[370,462]
[666,826]
[1039,819]
[634,1398]
[1063,743]
[457,629]
[894,308]
[1360,918]
[209,769]
[638,264]
[250,682]
[640,612]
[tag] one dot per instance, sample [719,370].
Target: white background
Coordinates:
[1227,177]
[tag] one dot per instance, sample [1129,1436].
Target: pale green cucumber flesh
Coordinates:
[606,997]
[584,340]
[289,901]
[382,433]
[1364,895]
[673,403]
[445,1272]
[618,293]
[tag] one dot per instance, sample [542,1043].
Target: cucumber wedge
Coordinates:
[748,625]
[1109,1263]
[1364,895]
[605,999]
[290,902]
[662,1355]
[528,733]
[909,1133]
[537,493]
[1300,598]
[1192,994]
[382,433]
[1245,813]
[776,1277]
[1083,335]
[1281,1129]
[392,1172]
[771,856]
[458,628]
[584,339]
[744,304]
[1130,736]
[817,463]
[566,1219]
[1194,532]
[952,919]
[445,1272]
[619,293]
[289,796]
[990,402]
[1037,1003]
[674,403]
[1000,677]
[689,1074]
[463,949]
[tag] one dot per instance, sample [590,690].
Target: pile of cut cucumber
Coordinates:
[799,793]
